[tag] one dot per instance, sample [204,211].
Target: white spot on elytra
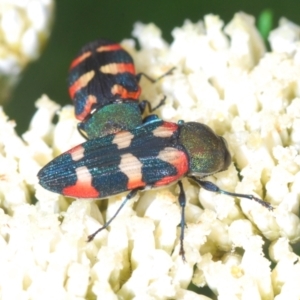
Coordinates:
[110,69]
[84,175]
[176,158]
[162,132]
[86,78]
[170,155]
[77,153]
[132,167]
[123,139]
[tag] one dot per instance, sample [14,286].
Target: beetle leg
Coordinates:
[209,186]
[139,75]
[182,202]
[130,195]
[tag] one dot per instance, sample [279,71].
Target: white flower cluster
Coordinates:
[224,78]
[24,29]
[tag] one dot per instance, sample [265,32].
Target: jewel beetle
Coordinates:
[152,155]
[101,77]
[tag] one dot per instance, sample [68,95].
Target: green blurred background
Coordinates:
[78,22]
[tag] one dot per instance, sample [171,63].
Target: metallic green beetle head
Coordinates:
[208,152]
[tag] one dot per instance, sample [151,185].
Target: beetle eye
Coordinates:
[227,155]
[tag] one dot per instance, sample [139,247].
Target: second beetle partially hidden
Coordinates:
[105,89]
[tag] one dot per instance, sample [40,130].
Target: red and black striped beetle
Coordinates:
[152,155]
[101,77]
